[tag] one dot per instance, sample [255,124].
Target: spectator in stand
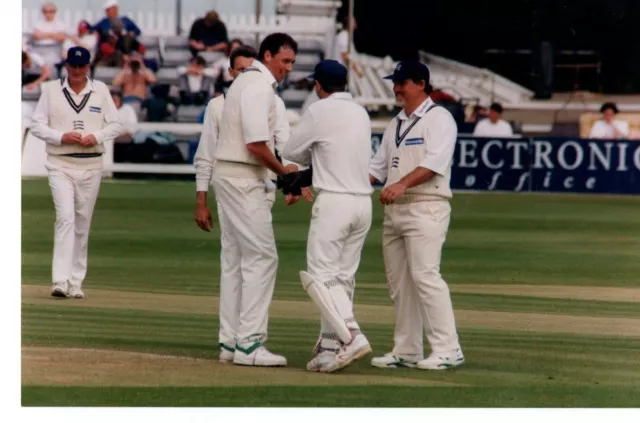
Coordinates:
[609,127]
[134,79]
[118,37]
[221,68]
[195,87]
[341,49]
[127,116]
[49,34]
[208,34]
[34,70]
[342,54]
[493,126]
[86,38]
[477,113]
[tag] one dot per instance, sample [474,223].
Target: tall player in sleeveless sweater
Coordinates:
[415,158]
[230,271]
[75,117]
[244,157]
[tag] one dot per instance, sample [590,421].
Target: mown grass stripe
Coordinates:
[493,357]
[344,396]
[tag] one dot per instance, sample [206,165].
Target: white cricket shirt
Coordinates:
[204,159]
[334,135]
[341,45]
[601,129]
[486,128]
[426,139]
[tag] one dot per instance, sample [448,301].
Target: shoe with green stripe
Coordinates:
[442,360]
[395,361]
[257,355]
[226,353]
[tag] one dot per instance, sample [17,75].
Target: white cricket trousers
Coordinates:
[74,194]
[230,283]
[247,232]
[339,226]
[413,236]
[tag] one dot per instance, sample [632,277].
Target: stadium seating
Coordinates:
[189,114]
[312,23]
[105,74]
[175,58]
[294,99]
[167,75]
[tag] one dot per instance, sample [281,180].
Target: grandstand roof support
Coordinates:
[178,17]
[258,12]
[350,29]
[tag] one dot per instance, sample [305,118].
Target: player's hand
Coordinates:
[290,183]
[392,192]
[203,217]
[71,138]
[307,194]
[31,86]
[89,140]
[291,199]
[290,168]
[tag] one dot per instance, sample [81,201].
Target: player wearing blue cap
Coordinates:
[414,159]
[75,116]
[334,136]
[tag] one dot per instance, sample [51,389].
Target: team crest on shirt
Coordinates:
[95,109]
[395,162]
[414,141]
[78,125]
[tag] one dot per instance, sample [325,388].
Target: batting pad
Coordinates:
[321,297]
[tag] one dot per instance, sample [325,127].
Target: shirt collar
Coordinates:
[341,96]
[266,72]
[87,88]
[420,111]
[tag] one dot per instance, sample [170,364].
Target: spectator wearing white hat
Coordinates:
[117,36]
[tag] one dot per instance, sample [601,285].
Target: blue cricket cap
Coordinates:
[409,69]
[329,72]
[78,56]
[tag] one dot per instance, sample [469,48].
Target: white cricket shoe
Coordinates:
[257,355]
[321,360]
[226,356]
[76,292]
[59,289]
[394,361]
[357,348]
[442,361]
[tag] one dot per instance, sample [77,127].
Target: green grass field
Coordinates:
[546,290]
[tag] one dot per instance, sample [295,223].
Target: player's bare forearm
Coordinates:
[265,157]
[201,197]
[372,179]
[417,176]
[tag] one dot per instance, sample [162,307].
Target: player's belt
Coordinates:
[82,155]
[417,198]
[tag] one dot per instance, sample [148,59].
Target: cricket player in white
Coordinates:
[230,274]
[414,159]
[75,116]
[243,158]
[334,135]
[230,265]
